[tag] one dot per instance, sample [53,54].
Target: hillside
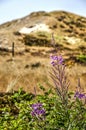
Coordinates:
[33,40]
[68,28]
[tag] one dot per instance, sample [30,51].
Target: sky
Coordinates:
[13,9]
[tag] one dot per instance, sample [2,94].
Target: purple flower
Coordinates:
[56,59]
[53,63]
[60,59]
[79,95]
[36,106]
[37,110]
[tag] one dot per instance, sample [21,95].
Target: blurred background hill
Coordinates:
[31,63]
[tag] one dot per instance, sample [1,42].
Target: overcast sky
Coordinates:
[13,9]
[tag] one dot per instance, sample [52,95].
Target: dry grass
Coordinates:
[30,69]
[24,71]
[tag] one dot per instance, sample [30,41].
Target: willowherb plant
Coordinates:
[69,112]
[79,93]
[59,77]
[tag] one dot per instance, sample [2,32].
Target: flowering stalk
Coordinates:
[79,94]
[59,77]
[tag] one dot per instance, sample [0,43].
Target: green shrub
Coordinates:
[81,58]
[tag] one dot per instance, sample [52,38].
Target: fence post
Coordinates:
[13,49]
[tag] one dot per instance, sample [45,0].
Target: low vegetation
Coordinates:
[56,109]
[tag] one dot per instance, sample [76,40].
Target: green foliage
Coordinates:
[81,58]
[15,112]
